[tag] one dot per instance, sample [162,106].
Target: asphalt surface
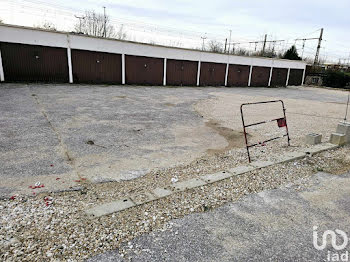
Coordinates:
[46,130]
[274,225]
[106,133]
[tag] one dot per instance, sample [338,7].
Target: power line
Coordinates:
[135,27]
[80,18]
[188,37]
[118,20]
[126,22]
[132,26]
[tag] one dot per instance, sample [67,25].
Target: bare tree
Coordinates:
[95,24]
[121,34]
[175,43]
[269,52]
[47,26]
[240,51]
[1,21]
[215,47]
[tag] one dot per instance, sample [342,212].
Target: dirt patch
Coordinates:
[169,104]
[235,139]
[342,166]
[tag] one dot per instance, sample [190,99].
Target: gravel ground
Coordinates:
[304,115]
[54,227]
[137,130]
[133,130]
[273,225]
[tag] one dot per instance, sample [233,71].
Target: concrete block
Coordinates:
[187,184]
[211,178]
[290,156]
[241,169]
[337,139]
[319,148]
[261,164]
[143,198]
[161,192]
[344,128]
[109,208]
[313,139]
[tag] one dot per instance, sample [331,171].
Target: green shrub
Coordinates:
[291,54]
[336,79]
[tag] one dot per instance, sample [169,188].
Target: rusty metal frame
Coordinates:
[263,122]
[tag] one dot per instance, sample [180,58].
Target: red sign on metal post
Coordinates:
[281,122]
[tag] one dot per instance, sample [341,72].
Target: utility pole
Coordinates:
[302,54]
[229,42]
[203,38]
[105,21]
[80,18]
[225,45]
[304,41]
[318,47]
[256,42]
[273,46]
[264,45]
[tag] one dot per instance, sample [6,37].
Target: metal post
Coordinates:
[164,73]
[2,76]
[250,75]
[198,73]
[287,81]
[303,80]
[270,77]
[226,73]
[245,134]
[123,69]
[282,122]
[347,107]
[70,70]
[285,118]
[69,59]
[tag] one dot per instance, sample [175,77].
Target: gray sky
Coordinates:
[182,23]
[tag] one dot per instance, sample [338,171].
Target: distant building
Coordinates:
[314,80]
[337,67]
[314,75]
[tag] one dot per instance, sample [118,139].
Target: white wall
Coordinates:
[15,34]
[31,36]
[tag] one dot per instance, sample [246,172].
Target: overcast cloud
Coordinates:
[248,20]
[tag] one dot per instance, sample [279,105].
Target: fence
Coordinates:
[34,55]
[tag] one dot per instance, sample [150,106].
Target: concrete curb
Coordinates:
[158,193]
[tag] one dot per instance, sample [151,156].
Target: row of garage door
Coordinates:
[32,63]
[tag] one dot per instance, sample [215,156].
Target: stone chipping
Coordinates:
[53,226]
